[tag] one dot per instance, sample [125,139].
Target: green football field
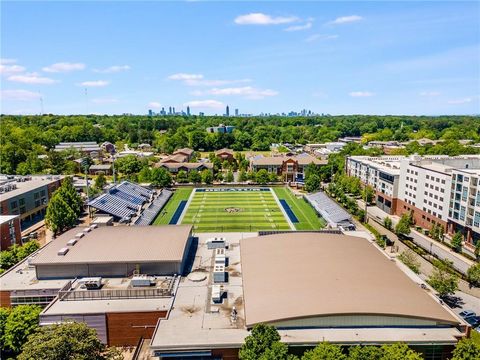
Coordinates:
[234,211]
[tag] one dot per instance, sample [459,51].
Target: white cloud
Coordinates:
[105,101]
[264,19]
[5,61]
[113,69]
[211,104]
[346,19]
[11,69]
[306,26]
[64,67]
[19,95]
[185,77]
[246,91]
[94,83]
[199,80]
[429,93]
[361,94]
[31,78]
[460,101]
[154,104]
[318,37]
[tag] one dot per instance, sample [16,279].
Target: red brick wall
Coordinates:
[5,299]
[127,328]
[5,240]
[420,217]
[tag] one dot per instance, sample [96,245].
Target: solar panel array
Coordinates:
[329,209]
[122,201]
[151,212]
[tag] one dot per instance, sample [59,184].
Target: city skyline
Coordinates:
[333,58]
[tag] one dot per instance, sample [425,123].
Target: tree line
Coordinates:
[24,138]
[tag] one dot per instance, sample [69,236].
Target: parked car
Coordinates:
[467,313]
[473,320]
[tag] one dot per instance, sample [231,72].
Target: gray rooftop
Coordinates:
[328,208]
[111,244]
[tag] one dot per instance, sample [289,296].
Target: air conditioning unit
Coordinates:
[71,242]
[142,280]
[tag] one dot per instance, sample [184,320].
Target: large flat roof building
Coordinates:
[115,251]
[312,287]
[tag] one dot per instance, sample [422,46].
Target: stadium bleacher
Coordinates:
[125,200]
[150,213]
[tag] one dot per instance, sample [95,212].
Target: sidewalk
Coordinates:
[426,268]
[440,250]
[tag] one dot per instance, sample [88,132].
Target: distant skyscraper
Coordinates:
[163,111]
[169,110]
[173,110]
[188,110]
[150,112]
[236,112]
[227,111]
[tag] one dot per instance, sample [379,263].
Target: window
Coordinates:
[462,213]
[464,193]
[42,193]
[21,201]
[476,219]
[443,181]
[13,204]
[428,177]
[36,195]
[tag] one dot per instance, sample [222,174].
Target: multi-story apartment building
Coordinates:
[382,173]
[464,205]
[421,186]
[27,196]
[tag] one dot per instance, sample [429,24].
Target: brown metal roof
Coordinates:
[300,275]
[110,244]
[185,151]
[303,159]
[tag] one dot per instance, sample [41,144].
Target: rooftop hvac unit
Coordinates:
[217,294]
[71,242]
[93,226]
[87,230]
[142,280]
[62,251]
[219,275]
[79,235]
[91,283]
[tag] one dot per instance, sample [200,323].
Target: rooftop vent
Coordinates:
[87,230]
[79,235]
[63,251]
[93,226]
[71,242]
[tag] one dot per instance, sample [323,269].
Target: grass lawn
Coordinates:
[234,211]
[166,214]
[306,215]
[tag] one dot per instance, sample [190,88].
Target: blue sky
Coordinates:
[330,57]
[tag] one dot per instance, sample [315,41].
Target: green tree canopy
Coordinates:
[194,177]
[457,240]
[260,342]
[65,341]
[365,353]
[182,177]
[399,351]
[312,183]
[22,321]
[262,177]
[325,351]
[161,177]
[443,280]
[100,181]
[403,226]
[473,275]
[207,176]
[467,349]
[60,215]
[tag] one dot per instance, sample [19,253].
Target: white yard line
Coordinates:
[180,219]
[283,210]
